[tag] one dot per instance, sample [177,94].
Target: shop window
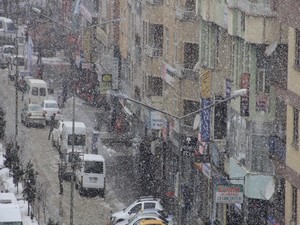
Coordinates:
[297,50]
[295,128]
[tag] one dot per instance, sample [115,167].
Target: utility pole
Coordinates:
[16,79]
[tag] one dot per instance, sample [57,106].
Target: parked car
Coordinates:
[142,203]
[13,62]
[6,51]
[33,114]
[50,107]
[145,215]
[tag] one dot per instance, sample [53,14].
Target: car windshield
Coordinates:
[93,167]
[51,105]
[35,108]
[10,50]
[24,73]
[19,61]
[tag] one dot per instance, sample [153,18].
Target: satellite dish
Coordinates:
[196,121]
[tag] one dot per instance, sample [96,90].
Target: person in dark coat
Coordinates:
[52,124]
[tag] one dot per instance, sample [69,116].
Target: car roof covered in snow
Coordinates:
[93,157]
[9,208]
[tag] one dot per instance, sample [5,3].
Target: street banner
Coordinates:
[206,84]
[205,120]
[228,88]
[245,84]
[156,120]
[229,193]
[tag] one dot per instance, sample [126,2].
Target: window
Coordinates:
[35,91]
[155,86]
[243,23]
[136,209]
[294,204]
[79,140]
[297,49]
[263,81]
[42,91]
[167,41]
[149,205]
[220,119]
[93,167]
[189,107]
[295,127]
[175,48]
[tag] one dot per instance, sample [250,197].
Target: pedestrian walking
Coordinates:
[60,179]
[39,55]
[52,124]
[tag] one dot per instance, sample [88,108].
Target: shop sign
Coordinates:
[262,102]
[206,84]
[156,120]
[245,83]
[206,170]
[205,120]
[228,88]
[105,83]
[229,193]
[168,74]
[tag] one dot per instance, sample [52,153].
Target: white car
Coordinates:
[33,114]
[143,203]
[6,52]
[50,107]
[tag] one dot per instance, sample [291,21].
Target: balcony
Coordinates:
[277,148]
[155,2]
[186,71]
[255,9]
[185,14]
[153,51]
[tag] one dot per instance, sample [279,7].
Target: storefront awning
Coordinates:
[258,186]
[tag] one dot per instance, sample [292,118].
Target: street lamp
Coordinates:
[73,165]
[235,94]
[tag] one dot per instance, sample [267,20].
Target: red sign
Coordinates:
[245,84]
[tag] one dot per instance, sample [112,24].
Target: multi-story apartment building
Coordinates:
[286,154]
[201,49]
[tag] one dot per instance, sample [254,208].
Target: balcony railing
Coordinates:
[186,72]
[153,51]
[277,148]
[262,9]
[185,14]
[155,2]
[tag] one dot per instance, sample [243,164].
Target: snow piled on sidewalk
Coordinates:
[7,185]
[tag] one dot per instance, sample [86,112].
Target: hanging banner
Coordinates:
[245,84]
[206,84]
[228,88]
[205,120]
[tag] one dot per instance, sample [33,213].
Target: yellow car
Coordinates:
[151,222]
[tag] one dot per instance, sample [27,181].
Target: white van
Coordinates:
[9,209]
[7,28]
[90,176]
[65,145]
[36,91]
